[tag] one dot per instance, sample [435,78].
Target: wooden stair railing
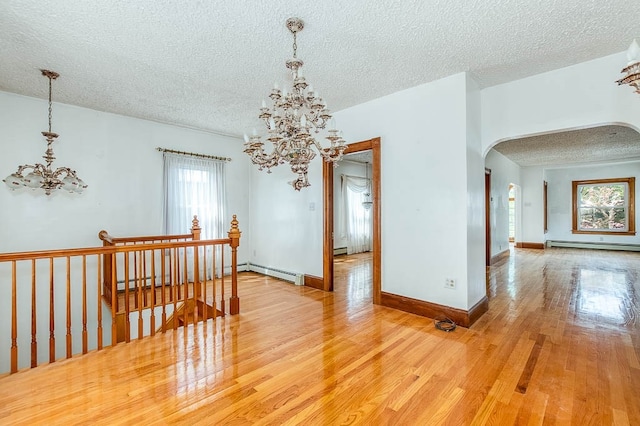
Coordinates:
[108,241]
[48,288]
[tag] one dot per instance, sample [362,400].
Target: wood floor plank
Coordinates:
[560,344]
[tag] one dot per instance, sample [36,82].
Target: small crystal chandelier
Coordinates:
[42,176]
[632,70]
[367,203]
[291,120]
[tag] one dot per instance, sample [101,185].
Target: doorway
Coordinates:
[328,216]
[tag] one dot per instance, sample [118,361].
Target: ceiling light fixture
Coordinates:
[291,120]
[42,176]
[367,203]
[632,70]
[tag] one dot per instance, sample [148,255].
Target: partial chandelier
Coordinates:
[291,120]
[632,70]
[43,176]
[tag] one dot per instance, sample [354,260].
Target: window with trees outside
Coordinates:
[604,206]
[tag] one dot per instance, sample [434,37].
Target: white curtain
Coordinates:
[355,220]
[194,186]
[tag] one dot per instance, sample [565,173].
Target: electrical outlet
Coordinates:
[449,283]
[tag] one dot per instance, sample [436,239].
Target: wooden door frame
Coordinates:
[328,225]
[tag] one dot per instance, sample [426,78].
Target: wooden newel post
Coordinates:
[195,229]
[234,236]
[109,279]
[197,290]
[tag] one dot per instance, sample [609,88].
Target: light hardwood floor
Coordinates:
[559,345]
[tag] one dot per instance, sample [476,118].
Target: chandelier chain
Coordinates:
[50,108]
[295,45]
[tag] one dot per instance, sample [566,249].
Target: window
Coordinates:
[604,206]
[194,186]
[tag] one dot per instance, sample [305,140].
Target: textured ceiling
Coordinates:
[208,64]
[360,157]
[598,144]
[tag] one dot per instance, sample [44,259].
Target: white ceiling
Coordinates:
[208,64]
[598,144]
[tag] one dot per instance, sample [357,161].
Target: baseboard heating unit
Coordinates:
[340,250]
[594,245]
[296,278]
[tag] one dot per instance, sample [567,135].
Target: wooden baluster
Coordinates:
[213,281]
[34,342]
[114,300]
[99,292]
[127,324]
[234,235]
[163,287]
[135,279]
[178,273]
[196,282]
[171,266]
[139,288]
[152,324]
[174,284]
[107,260]
[52,321]
[14,318]
[185,283]
[69,352]
[222,302]
[114,280]
[85,344]
[205,305]
[214,277]
[144,277]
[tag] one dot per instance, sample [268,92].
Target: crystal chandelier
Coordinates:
[632,70]
[291,120]
[42,176]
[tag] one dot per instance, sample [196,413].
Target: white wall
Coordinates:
[286,225]
[116,157]
[476,278]
[503,173]
[424,188]
[579,96]
[532,205]
[560,200]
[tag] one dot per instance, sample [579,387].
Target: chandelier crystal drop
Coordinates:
[291,121]
[632,70]
[43,176]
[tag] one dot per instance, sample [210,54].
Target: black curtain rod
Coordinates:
[193,154]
